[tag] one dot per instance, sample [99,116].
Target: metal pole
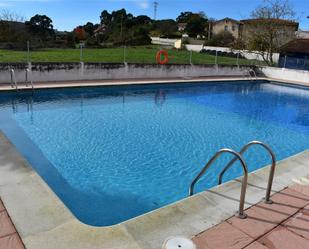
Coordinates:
[237,60]
[190,57]
[216,59]
[28,51]
[124,54]
[284,64]
[81,52]
[209,28]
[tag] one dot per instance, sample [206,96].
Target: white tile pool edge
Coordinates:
[74,84]
[43,221]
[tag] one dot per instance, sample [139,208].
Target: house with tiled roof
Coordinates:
[226,24]
[244,28]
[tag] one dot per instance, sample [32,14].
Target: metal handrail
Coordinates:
[29,72]
[241,213]
[272,169]
[254,73]
[13,79]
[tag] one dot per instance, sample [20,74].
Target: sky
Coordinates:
[67,14]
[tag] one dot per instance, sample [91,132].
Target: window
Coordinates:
[226,28]
[233,28]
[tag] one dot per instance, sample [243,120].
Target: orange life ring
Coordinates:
[158,57]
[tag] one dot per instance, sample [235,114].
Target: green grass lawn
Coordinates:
[115,55]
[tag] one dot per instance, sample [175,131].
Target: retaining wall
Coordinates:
[301,76]
[44,72]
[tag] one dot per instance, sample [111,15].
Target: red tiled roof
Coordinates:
[296,46]
[227,18]
[283,21]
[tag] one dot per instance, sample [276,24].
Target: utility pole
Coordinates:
[155,8]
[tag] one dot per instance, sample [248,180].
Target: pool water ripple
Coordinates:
[112,153]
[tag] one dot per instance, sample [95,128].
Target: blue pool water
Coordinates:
[113,153]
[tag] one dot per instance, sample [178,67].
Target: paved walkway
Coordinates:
[281,225]
[9,238]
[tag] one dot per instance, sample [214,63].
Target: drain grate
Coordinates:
[178,243]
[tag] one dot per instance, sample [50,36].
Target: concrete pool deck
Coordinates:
[89,83]
[282,225]
[43,221]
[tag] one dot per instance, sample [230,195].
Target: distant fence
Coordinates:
[292,62]
[198,48]
[248,55]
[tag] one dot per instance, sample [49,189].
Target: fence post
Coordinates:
[284,64]
[81,52]
[216,59]
[28,51]
[124,54]
[190,57]
[237,60]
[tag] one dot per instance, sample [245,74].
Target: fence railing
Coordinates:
[123,54]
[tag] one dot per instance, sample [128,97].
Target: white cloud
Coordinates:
[142,4]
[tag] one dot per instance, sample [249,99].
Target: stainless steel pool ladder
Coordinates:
[13,79]
[27,76]
[241,213]
[253,75]
[272,168]
[238,156]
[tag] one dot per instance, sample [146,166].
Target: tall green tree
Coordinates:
[89,27]
[40,25]
[196,22]
[196,25]
[105,17]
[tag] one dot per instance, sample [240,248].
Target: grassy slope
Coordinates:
[133,55]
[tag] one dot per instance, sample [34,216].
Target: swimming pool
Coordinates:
[113,153]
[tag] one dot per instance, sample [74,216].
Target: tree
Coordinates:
[123,28]
[222,39]
[196,22]
[196,25]
[140,37]
[12,29]
[40,25]
[89,28]
[165,28]
[7,15]
[105,17]
[184,17]
[272,26]
[80,33]
[142,20]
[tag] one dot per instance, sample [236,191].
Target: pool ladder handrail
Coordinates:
[238,156]
[27,81]
[272,169]
[13,79]
[254,74]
